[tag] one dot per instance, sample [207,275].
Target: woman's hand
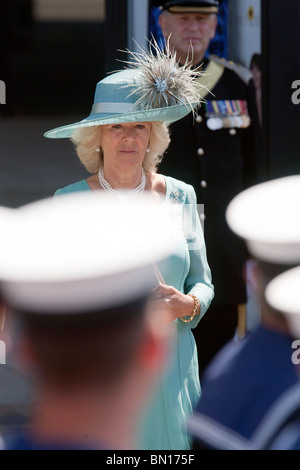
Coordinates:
[169,303]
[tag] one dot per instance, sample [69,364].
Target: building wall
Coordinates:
[69,10]
[52,55]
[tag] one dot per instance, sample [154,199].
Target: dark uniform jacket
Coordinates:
[218,164]
[242,385]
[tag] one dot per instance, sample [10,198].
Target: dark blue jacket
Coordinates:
[246,379]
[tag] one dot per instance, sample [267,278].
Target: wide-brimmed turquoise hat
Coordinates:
[156,88]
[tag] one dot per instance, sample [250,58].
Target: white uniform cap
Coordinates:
[267,216]
[283,294]
[82,251]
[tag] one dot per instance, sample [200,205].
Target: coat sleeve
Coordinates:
[198,281]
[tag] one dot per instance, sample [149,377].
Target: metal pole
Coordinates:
[138,18]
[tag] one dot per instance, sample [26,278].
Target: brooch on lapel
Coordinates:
[177,196]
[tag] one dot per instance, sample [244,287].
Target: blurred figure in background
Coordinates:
[218,44]
[246,379]
[89,339]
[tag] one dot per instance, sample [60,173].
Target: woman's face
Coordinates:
[125,144]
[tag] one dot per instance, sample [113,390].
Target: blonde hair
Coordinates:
[87,142]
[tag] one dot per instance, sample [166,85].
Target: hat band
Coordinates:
[113,108]
[184,9]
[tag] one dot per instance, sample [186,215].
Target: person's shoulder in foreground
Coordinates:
[246,383]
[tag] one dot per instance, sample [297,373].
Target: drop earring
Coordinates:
[98,149]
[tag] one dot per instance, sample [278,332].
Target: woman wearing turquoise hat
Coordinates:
[121,144]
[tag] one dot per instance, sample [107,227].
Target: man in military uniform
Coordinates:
[214,152]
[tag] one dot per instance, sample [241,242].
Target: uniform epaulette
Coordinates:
[243,72]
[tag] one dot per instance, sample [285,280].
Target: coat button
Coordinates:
[232,132]
[199,119]
[203,184]
[200,151]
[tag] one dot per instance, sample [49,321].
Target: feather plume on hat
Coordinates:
[164,82]
[152,87]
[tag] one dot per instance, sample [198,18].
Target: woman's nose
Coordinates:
[129,134]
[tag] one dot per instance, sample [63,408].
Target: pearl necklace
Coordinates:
[117,192]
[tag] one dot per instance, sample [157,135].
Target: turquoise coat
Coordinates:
[163,426]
